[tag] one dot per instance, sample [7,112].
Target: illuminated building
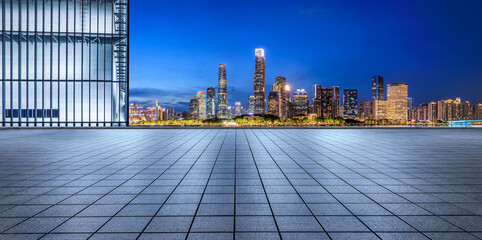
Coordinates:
[222,92]
[237,108]
[367,112]
[379,109]
[279,87]
[466,111]
[350,103]
[477,115]
[317,100]
[335,108]
[259,82]
[170,114]
[273,103]
[410,103]
[211,103]
[157,114]
[193,112]
[326,102]
[431,111]
[62,67]
[397,101]
[251,104]
[231,112]
[201,97]
[134,113]
[377,88]
[300,102]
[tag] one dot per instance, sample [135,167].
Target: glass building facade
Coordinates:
[64,63]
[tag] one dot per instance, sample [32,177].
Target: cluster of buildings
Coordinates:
[326,103]
[157,113]
[445,110]
[388,102]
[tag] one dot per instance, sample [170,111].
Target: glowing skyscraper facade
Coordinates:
[259,82]
[64,63]
[211,103]
[222,92]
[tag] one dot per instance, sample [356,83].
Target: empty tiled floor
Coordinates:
[241,183]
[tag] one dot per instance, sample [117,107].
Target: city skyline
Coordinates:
[423,44]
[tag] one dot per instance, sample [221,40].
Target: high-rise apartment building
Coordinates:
[326,102]
[259,82]
[377,88]
[431,111]
[222,92]
[350,103]
[211,103]
[335,102]
[397,101]
[251,104]
[64,63]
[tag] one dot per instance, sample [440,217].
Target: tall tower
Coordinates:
[259,82]
[377,87]
[222,92]
[211,103]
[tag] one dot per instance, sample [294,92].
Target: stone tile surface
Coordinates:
[241,183]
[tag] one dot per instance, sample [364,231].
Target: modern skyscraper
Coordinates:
[300,102]
[377,88]
[273,103]
[201,97]
[222,92]
[237,108]
[251,104]
[62,67]
[350,103]
[289,102]
[335,102]
[211,103]
[397,101]
[259,82]
[193,112]
[317,100]
[279,88]
[326,102]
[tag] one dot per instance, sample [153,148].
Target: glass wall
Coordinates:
[64,63]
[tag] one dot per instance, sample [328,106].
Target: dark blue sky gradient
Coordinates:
[176,46]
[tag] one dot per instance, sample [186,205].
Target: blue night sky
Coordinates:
[176,46]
